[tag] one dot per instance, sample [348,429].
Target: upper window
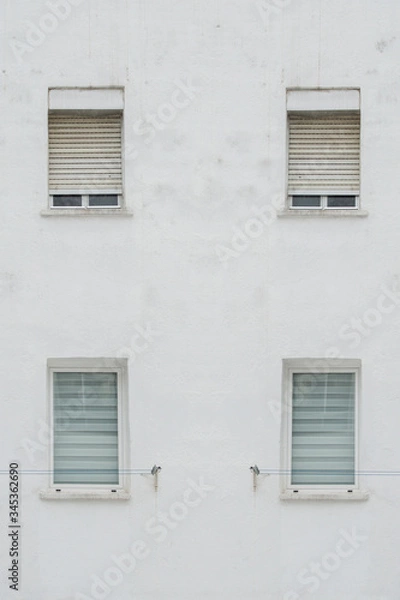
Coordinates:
[88,409]
[320,408]
[85,154]
[323,149]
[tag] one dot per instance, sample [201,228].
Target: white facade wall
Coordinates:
[205,391]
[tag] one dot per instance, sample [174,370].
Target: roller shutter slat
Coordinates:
[324,153]
[85,152]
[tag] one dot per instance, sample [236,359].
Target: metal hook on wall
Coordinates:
[153,471]
[256,472]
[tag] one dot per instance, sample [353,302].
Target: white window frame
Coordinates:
[92,491]
[291,491]
[88,101]
[324,201]
[316,101]
[85,200]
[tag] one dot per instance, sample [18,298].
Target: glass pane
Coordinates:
[61,200]
[323,428]
[103,200]
[342,202]
[306,201]
[85,428]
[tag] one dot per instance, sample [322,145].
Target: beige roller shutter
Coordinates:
[324,154]
[85,154]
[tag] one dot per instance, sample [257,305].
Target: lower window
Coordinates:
[320,409]
[85,201]
[88,408]
[323,202]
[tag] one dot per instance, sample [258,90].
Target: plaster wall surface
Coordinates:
[225,307]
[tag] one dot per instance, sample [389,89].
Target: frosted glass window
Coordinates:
[85,406]
[323,428]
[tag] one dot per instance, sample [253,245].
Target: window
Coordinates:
[320,410]
[88,414]
[85,150]
[323,150]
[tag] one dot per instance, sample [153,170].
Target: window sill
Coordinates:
[326,213]
[358,495]
[86,212]
[84,495]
